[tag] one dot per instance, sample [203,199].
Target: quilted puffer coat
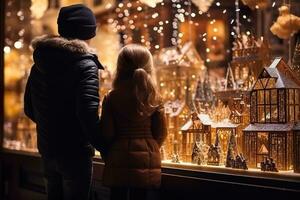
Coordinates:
[132,155]
[62,97]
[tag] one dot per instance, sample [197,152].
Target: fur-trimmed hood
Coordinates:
[51,52]
[74,46]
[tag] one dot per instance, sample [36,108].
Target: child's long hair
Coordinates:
[135,64]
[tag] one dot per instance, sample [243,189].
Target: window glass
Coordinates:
[192,46]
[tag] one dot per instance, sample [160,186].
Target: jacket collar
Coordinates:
[73,46]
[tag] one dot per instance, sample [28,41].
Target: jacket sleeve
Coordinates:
[87,102]
[28,108]
[107,124]
[159,126]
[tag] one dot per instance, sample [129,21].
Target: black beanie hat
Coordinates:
[76,21]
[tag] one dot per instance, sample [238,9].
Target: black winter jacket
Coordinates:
[62,97]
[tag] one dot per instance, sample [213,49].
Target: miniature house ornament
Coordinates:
[274,114]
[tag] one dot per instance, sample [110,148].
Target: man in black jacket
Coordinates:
[62,98]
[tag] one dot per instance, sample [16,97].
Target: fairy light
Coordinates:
[108,5]
[6,49]
[177,17]
[120,5]
[155,15]
[21,32]
[120,15]
[218,4]
[237,12]
[110,20]
[126,12]
[273,4]
[18,44]
[129,5]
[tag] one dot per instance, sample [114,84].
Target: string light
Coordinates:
[6,49]
[120,5]
[129,5]
[18,44]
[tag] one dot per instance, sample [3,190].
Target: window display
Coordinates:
[229,77]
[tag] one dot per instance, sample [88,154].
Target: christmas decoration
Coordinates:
[274,112]
[230,82]
[296,59]
[204,95]
[202,104]
[196,129]
[203,5]
[256,4]
[151,3]
[38,8]
[214,153]
[286,24]
[268,164]
[199,153]
[231,151]
[249,56]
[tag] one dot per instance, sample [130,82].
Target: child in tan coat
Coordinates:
[133,127]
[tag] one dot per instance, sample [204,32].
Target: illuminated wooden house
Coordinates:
[197,128]
[230,90]
[296,148]
[204,95]
[223,130]
[240,116]
[249,56]
[177,113]
[274,112]
[177,71]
